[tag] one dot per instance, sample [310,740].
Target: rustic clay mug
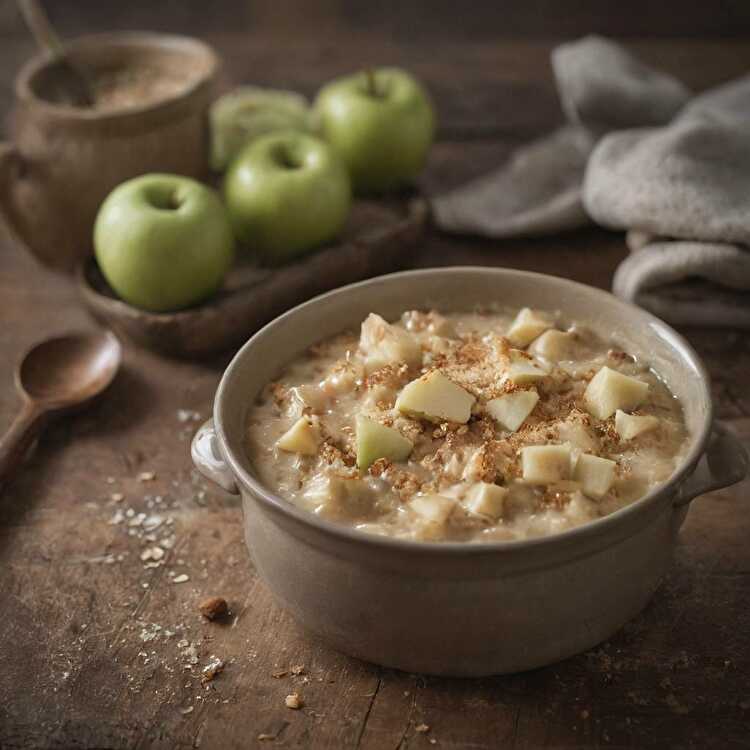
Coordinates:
[64,160]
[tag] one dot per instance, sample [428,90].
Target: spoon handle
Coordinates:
[16,442]
[40,26]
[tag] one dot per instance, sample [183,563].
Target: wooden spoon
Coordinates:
[67,81]
[54,377]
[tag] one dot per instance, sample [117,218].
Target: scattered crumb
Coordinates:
[298,669]
[294,701]
[188,415]
[182,578]
[214,607]
[265,737]
[152,553]
[212,670]
[279,673]
[146,476]
[422,728]
[185,711]
[117,497]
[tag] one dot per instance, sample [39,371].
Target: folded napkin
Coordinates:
[642,156]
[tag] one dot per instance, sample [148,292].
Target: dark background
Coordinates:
[410,20]
[486,63]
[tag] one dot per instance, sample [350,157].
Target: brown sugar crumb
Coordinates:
[332,454]
[482,465]
[484,427]
[608,435]
[298,669]
[294,701]
[214,607]
[279,673]
[379,467]
[422,728]
[404,483]
[556,499]
[212,670]
[390,375]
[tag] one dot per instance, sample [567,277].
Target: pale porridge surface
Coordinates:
[465,427]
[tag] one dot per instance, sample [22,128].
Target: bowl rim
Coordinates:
[24,90]
[587,530]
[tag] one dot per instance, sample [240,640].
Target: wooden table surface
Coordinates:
[100,649]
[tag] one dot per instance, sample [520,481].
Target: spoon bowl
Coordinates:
[69,370]
[55,376]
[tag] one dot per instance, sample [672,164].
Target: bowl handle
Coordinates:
[208,460]
[724,463]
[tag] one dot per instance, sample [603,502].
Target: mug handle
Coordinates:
[11,162]
[724,463]
[208,460]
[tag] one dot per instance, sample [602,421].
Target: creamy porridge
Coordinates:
[465,427]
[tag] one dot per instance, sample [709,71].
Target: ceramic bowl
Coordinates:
[453,608]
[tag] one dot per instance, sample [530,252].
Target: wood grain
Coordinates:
[80,665]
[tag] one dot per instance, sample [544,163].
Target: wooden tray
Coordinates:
[377,240]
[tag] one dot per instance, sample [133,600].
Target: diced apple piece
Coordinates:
[629,426]
[302,437]
[610,390]
[582,438]
[339,497]
[385,344]
[435,398]
[487,499]
[543,464]
[433,508]
[528,324]
[554,346]
[523,369]
[308,396]
[595,475]
[511,409]
[375,440]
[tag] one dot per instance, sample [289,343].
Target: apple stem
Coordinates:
[372,88]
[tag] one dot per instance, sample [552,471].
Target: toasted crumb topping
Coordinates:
[342,380]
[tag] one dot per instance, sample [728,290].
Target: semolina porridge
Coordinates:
[481,426]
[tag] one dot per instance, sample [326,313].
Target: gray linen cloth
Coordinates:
[642,156]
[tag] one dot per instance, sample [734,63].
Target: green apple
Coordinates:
[247,112]
[287,193]
[381,122]
[375,440]
[163,242]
